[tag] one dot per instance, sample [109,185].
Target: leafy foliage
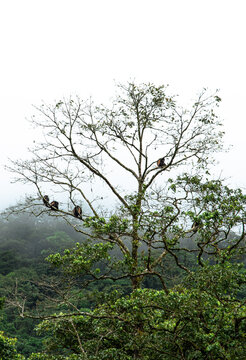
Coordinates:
[203,321]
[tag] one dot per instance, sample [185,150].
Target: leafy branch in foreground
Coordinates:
[203,321]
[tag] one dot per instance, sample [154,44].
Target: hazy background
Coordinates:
[56,48]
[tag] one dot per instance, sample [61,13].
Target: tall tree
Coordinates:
[138,152]
[92,151]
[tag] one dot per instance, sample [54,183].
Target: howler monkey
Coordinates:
[161,162]
[54,205]
[46,200]
[77,212]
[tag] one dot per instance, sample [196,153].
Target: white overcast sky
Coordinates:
[55,48]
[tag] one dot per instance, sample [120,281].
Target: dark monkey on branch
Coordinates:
[54,205]
[46,200]
[77,212]
[161,162]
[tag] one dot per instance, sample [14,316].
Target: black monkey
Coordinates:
[77,212]
[54,205]
[161,162]
[46,200]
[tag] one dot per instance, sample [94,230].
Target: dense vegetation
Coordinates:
[207,301]
[24,244]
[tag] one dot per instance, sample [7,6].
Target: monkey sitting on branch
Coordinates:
[161,162]
[54,205]
[77,212]
[46,201]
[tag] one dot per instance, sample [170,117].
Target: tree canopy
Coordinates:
[153,157]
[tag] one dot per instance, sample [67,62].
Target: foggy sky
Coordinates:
[52,49]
